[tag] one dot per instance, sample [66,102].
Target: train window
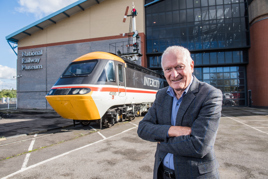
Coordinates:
[103,76]
[120,73]
[108,73]
[80,69]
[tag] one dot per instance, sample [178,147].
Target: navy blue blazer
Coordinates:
[193,154]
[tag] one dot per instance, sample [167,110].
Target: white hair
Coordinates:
[178,51]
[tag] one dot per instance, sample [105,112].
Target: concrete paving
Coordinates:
[241,147]
[25,122]
[242,143]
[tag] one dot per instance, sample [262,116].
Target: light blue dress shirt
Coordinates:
[168,160]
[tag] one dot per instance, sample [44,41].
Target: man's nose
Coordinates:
[174,73]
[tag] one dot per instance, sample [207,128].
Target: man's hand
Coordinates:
[175,131]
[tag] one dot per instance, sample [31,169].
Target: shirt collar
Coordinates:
[171,93]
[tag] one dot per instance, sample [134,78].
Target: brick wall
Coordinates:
[257,69]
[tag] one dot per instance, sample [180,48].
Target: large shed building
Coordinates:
[228,41]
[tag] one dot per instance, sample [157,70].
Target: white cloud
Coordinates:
[41,8]
[8,84]
[7,72]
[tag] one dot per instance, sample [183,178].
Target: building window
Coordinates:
[215,31]
[155,62]
[208,58]
[229,79]
[214,58]
[196,25]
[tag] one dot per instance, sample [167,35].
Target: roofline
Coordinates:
[151,3]
[9,37]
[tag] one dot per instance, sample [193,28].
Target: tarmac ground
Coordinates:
[68,151]
[26,122]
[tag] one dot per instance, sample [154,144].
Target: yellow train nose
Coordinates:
[76,107]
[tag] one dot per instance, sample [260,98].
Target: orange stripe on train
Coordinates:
[108,89]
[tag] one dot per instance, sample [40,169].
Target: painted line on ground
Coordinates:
[93,128]
[14,136]
[133,124]
[21,135]
[244,124]
[50,129]
[25,162]
[24,140]
[98,132]
[2,139]
[102,135]
[37,132]
[66,153]
[32,143]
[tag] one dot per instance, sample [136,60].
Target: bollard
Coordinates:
[8,102]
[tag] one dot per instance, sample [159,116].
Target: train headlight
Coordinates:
[84,91]
[76,91]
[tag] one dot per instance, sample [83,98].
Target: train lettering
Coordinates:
[151,82]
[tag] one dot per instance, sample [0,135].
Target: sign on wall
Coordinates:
[31,60]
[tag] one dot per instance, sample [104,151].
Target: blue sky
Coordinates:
[14,15]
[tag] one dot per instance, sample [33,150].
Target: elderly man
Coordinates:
[183,120]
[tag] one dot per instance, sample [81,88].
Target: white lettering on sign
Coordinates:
[151,82]
[32,53]
[30,60]
[33,67]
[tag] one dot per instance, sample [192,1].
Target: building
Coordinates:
[226,38]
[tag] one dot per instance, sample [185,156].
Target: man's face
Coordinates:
[177,71]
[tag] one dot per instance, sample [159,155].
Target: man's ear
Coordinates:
[192,66]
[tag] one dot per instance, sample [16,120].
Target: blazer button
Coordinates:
[160,159]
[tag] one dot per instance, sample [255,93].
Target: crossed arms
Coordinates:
[194,141]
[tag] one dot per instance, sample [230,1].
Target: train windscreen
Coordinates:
[80,69]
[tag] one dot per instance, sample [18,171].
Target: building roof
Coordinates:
[51,19]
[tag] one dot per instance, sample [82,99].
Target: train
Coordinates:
[105,88]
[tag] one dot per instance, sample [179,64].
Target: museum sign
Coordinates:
[31,60]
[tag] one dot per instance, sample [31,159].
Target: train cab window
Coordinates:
[80,69]
[103,76]
[108,73]
[120,73]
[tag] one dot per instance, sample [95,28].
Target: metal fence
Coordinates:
[8,103]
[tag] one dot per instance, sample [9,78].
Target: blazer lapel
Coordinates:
[167,109]
[187,100]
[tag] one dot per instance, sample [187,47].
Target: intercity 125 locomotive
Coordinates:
[102,87]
